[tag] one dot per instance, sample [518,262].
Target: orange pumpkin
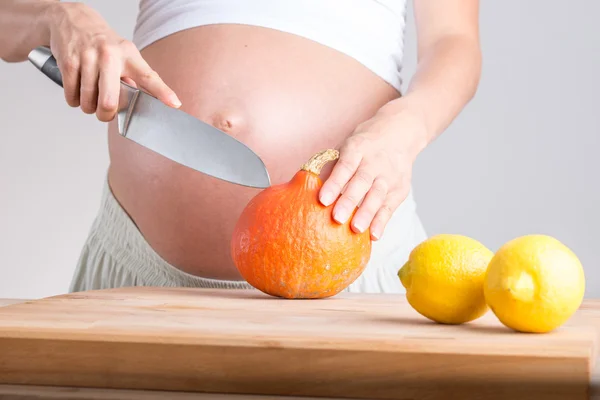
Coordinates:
[286,243]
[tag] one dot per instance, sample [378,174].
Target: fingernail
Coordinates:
[340,214]
[326,198]
[175,101]
[359,226]
[375,233]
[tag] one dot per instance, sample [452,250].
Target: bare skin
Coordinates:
[284,96]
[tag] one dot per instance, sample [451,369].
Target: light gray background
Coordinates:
[521,158]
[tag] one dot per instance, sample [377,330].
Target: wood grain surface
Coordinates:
[350,346]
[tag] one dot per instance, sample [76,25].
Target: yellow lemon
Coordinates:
[444,277]
[534,284]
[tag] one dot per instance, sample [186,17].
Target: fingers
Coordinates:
[147,79]
[365,188]
[108,87]
[129,81]
[92,75]
[341,173]
[385,212]
[376,203]
[372,203]
[355,191]
[89,82]
[69,68]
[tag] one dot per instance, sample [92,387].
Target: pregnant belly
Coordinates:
[284,96]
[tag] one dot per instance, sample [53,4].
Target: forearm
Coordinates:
[446,79]
[24,25]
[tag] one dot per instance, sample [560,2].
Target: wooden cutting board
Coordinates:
[367,346]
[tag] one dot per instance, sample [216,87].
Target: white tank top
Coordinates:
[370,31]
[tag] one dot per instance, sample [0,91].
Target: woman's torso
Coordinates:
[283,95]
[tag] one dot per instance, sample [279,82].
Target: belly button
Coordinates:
[228,123]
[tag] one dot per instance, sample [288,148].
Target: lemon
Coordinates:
[534,284]
[444,277]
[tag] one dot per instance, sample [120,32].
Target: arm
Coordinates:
[24,25]
[375,165]
[91,57]
[449,63]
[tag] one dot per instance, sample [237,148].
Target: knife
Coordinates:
[174,134]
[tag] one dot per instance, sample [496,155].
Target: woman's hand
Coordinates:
[93,59]
[374,170]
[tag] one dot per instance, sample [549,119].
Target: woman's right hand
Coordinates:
[93,59]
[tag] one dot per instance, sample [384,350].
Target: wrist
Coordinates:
[45,13]
[407,125]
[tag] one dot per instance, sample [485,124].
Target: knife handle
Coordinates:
[43,59]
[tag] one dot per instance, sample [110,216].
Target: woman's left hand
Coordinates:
[374,170]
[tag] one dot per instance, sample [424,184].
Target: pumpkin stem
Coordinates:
[318,161]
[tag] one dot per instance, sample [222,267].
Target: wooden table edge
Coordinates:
[21,392]
[31,392]
[8,302]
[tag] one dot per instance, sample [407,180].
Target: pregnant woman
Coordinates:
[286,77]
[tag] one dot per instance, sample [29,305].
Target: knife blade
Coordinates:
[173,133]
